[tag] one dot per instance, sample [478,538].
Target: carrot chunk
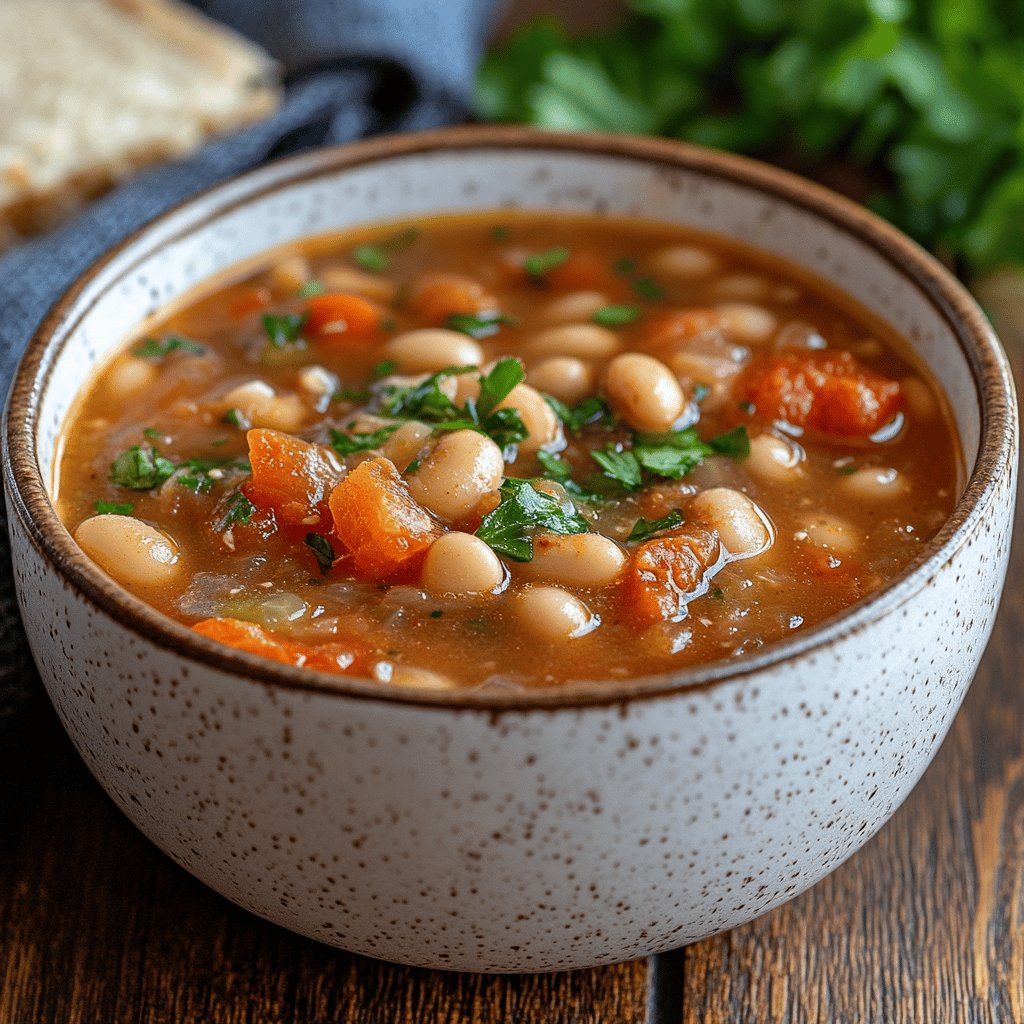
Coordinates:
[339,317]
[664,573]
[380,523]
[331,656]
[827,391]
[290,476]
[435,297]
[583,271]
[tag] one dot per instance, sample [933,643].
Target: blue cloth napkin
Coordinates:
[352,68]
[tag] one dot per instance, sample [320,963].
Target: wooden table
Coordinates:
[923,926]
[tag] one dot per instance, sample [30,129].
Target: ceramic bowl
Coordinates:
[503,831]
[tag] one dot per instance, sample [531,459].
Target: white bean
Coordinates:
[430,349]
[774,458]
[128,376]
[566,378]
[542,424]
[644,391]
[133,552]
[407,442]
[747,323]
[320,383]
[584,341]
[920,401]
[290,274]
[413,677]
[263,407]
[684,262]
[873,484]
[370,286]
[459,563]
[741,287]
[554,615]
[830,532]
[579,560]
[571,308]
[463,467]
[742,526]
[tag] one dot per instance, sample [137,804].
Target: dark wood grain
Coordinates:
[926,924]
[96,925]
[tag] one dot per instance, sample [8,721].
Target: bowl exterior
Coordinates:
[517,840]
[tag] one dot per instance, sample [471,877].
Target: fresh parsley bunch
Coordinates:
[925,101]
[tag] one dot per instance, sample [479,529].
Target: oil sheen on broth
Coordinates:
[515,449]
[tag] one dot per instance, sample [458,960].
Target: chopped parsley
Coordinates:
[238,510]
[646,528]
[700,392]
[349,444]
[615,316]
[152,433]
[499,233]
[478,325]
[591,410]
[115,508]
[555,468]
[626,266]
[321,548]
[235,418]
[748,407]
[622,467]
[436,613]
[375,257]
[283,329]
[847,470]
[385,368]
[735,443]
[140,469]
[311,289]
[524,509]
[152,348]
[648,289]
[198,483]
[540,263]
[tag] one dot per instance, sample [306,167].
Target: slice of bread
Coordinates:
[92,90]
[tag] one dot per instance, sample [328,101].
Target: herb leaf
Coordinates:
[349,444]
[646,528]
[523,509]
[478,325]
[540,263]
[140,469]
[114,508]
[321,548]
[622,467]
[152,348]
[310,289]
[283,329]
[735,443]
[615,316]
[590,410]
[237,510]
[497,385]
[375,257]
[648,289]
[555,468]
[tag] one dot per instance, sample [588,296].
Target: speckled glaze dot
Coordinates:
[497,831]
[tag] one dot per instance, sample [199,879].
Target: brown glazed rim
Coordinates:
[982,350]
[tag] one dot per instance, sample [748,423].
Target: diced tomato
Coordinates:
[435,297]
[381,524]
[664,573]
[827,391]
[331,656]
[290,476]
[244,299]
[340,317]
[583,271]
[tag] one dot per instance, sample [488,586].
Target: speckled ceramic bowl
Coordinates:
[495,831]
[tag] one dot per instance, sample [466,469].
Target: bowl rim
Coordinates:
[987,362]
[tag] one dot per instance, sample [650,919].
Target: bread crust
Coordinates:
[44,179]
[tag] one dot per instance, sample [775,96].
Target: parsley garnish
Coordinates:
[321,548]
[198,483]
[385,368]
[115,508]
[590,410]
[625,266]
[623,467]
[748,407]
[351,395]
[848,470]
[436,613]
[238,510]
[283,329]
[349,444]
[540,263]
[235,418]
[140,469]
[375,257]
[310,289]
[735,443]
[700,392]
[151,348]
[648,289]
[478,325]
[152,433]
[645,528]
[523,509]
[615,316]
[555,468]
[499,233]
